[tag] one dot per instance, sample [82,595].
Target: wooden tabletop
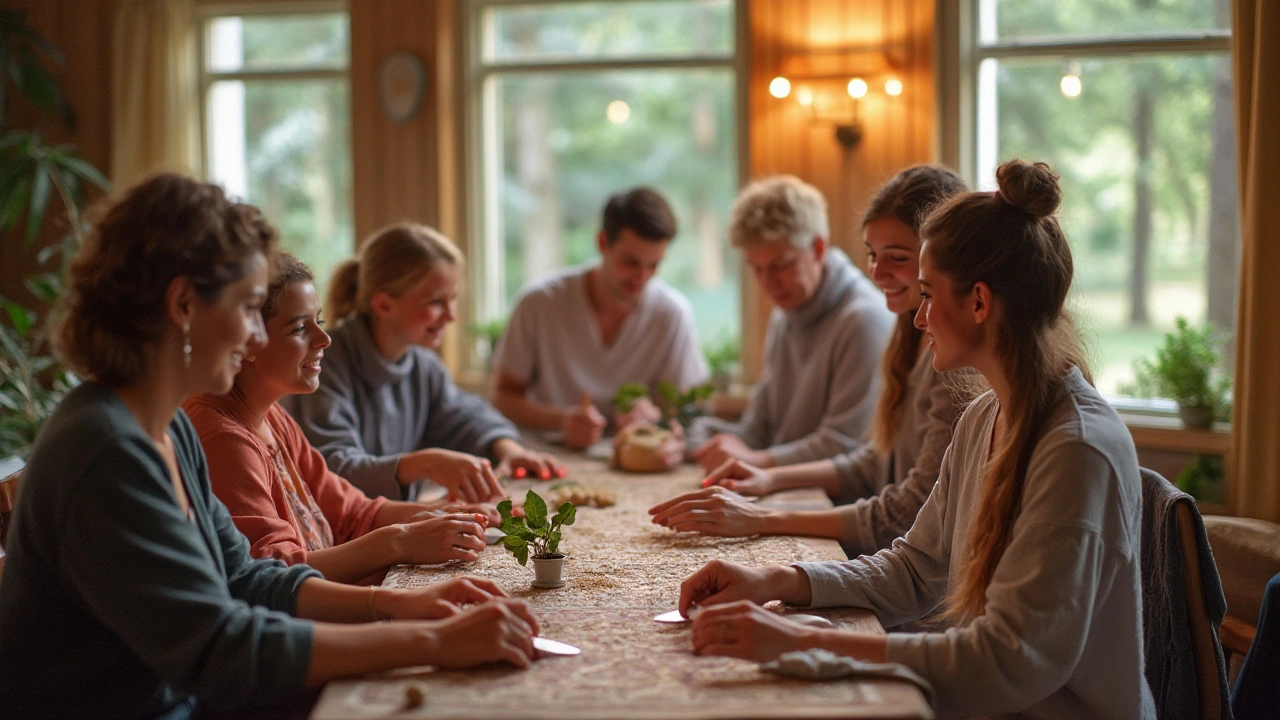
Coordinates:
[621,572]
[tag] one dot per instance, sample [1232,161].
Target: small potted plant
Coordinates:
[722,360]
[537,536]
[1186,370]
[684,406]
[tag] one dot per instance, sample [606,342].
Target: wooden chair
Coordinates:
[8,492]
[1180,525]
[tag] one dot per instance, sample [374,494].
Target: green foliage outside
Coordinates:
[534,534]
[487,335]
[1095,142]
[1187,369]
[34,175]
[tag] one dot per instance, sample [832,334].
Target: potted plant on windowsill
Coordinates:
[537,536]
[1186,370]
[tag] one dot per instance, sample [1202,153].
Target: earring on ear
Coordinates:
[186,344]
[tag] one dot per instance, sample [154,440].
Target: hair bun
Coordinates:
[1032,187]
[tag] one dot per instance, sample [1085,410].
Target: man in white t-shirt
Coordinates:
[576,336]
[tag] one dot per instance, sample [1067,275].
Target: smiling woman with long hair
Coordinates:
[277,487]
[1029,543]
[127,590]
[387,415]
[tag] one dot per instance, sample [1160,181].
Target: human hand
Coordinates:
[583,425]
[740,477]
[516,460]
[467,478]
[642,410]
[441,538]
[712,511]
[440,600]
[724,447]
[500,630]
[438,509]
[721,582]
[747,631]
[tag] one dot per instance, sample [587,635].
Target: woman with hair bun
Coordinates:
[387,415]
[1029,544]
[127,590]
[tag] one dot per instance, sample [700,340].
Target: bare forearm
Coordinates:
[347,650]
[395,512]
[819,473]
[332,602]
[526,413]
[809,523]
[358,558]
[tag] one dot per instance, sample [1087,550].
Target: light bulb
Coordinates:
[893,86]
[804,96]
[1070,85]
[857,88]
[617,112]
[780,87]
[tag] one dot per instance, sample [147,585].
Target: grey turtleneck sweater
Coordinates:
[369,411]
[817,396]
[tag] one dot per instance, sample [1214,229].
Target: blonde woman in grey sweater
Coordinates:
[890,477]
[1028,546]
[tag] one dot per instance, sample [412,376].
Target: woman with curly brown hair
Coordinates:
[1029,543]
[127,590]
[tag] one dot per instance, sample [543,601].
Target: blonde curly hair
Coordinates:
[781,207]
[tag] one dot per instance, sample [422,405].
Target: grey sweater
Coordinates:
[1061,636]
[113,603]
[818,393]
[887,491]
[369,411]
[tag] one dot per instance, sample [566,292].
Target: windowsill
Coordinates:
[1164,432]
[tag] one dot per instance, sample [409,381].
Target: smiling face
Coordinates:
[954,333]
[290,363]
[893,262]
[628,264]
[227,329]
[788,275]
[420,316]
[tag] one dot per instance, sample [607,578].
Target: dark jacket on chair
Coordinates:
[1169,638]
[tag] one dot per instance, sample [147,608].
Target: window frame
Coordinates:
[206,13]
[960,54]
[478,163]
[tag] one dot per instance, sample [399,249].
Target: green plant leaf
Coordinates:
[522,554]
[511,542]
[553,545]
[85,171]
[504,509]
[39,201]
[511,525]
[535,510]
[565,514]
[21,318]
[628,394]
[46,286]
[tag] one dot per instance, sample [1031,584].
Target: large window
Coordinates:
[573,101]
[1131,101]
[277,114]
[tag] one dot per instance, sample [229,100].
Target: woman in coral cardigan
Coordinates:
[280,492]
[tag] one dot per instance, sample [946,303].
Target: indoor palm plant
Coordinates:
[33,176]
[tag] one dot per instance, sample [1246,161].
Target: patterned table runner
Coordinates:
[622,570]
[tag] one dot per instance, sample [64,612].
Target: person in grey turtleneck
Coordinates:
[817,394]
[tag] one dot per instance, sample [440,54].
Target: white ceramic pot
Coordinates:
[547,571]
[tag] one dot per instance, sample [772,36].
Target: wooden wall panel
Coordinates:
[81,29]
[827,37]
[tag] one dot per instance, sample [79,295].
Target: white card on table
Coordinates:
[674,616]
[553,647]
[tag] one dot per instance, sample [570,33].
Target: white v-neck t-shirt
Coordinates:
[554,346]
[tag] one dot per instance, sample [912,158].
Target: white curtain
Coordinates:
[155,122]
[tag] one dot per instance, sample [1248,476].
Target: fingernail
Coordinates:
[544,475]
[520,472]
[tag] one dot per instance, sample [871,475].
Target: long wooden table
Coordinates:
[623,570]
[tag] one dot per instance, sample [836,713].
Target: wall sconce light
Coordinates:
[833,83]
[821,95]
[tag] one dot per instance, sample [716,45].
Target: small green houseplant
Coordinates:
[684,406]
[722,357]
[487,334]
[1186,370]
[537,536]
